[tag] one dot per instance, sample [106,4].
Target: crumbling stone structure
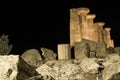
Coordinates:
[82,26]
[95,57]
[87,38]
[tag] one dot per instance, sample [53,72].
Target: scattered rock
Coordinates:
[110,50]
[8,67]
[32,57]
[115,77]
[117,49]
[111,70]
[40,77]
[62,70]
[89,65]
[48,54]
[12,67]
[25,71]
[111,58]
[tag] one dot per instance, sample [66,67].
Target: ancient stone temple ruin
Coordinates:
[82,26]
[90,55]
[84,29]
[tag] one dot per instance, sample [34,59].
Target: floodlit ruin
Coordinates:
[90,55]
[83,28]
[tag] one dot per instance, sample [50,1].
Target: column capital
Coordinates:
[107,29]
[83,11]
[100,24]
[91,16]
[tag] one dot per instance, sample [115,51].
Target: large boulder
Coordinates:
[89,65]
[32,57]
[12,67]
[48,54]
[111,58]
[111,66]
[8,67]
[111,71]
[25,71]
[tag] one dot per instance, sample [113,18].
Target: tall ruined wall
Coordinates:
[82,26]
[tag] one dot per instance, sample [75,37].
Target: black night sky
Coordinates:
[33,24]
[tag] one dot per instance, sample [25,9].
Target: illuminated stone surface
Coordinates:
[32,57]
[8,67]
[82,26]
[48,54]
[12,67]
[64,51]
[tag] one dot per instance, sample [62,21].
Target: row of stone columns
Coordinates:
[82,26]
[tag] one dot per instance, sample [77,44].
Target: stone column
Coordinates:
[74,27]
[82,13]
[90,19]
[107,36]
[64,51]
[112,43]
[92,29]
[100,30]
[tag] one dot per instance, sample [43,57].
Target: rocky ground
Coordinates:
[32,66]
